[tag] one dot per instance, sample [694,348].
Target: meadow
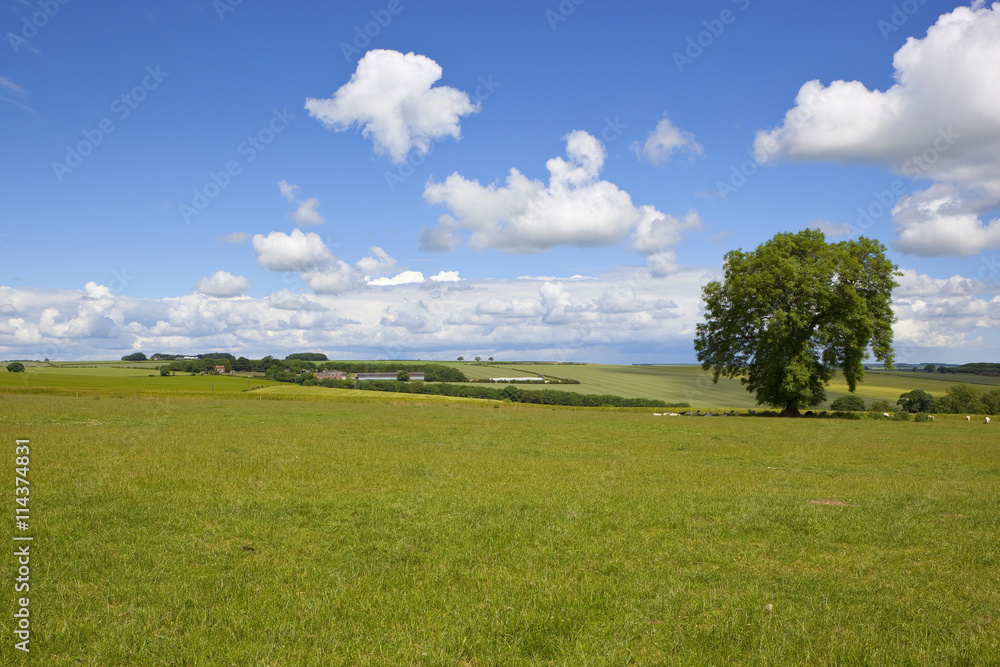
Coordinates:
[690,384]
[199,524]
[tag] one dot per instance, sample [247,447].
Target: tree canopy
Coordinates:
[15,367]
[793,312]
[917,400]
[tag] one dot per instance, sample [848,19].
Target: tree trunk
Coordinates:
[791,411]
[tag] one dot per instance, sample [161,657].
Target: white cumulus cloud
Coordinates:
[664,140]
[297,251]
[223,284]
[392,97]
[237,238]
[939,121]
[575,208]
[404,278]
[307,213]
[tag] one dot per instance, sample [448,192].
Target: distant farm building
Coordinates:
[220,369]
[415,376]
[331,375]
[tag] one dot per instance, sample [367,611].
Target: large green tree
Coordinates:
[790,314]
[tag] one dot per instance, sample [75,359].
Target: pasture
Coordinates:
[688,383]
[298,525]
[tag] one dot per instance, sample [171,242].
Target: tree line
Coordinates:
[508,393]
[958,399]
[291,369]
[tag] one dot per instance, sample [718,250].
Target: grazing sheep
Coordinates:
[885,414]
[931,417]
[968,418]
[987,420]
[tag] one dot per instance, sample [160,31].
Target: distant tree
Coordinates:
[164,372]
[461,358]
[915,401]
[930,368]
[228,366]
[403,376]
[991,402]
[491,358]
[479,358]
[793,312]
[962,398]
[307,356]
[15,367]
[512,393]
[942,369]
[881,406]
[848,404]
[138,356]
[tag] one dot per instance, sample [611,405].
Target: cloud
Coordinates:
[223,284]
[307,213]
[937,122]
[12,93]
[392,97]
[297,251]
[913,284]
[664,140]
[832,229]
[445,277]
[575,208]
[11,86]
[289,192]
[236,238]
[288,300]
[404,278]
[622,316]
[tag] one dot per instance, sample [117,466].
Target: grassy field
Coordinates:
[692,385]
[293,525]
[670,383]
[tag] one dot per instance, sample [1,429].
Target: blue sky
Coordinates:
[168,188]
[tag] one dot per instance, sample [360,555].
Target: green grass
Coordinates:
[688,383]
[121,382]
[362,528]
[670,383]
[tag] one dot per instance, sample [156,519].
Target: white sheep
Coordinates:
[885,414]
[968,418]
[987,420]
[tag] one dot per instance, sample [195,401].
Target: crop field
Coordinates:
[692,385]
[177,524]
